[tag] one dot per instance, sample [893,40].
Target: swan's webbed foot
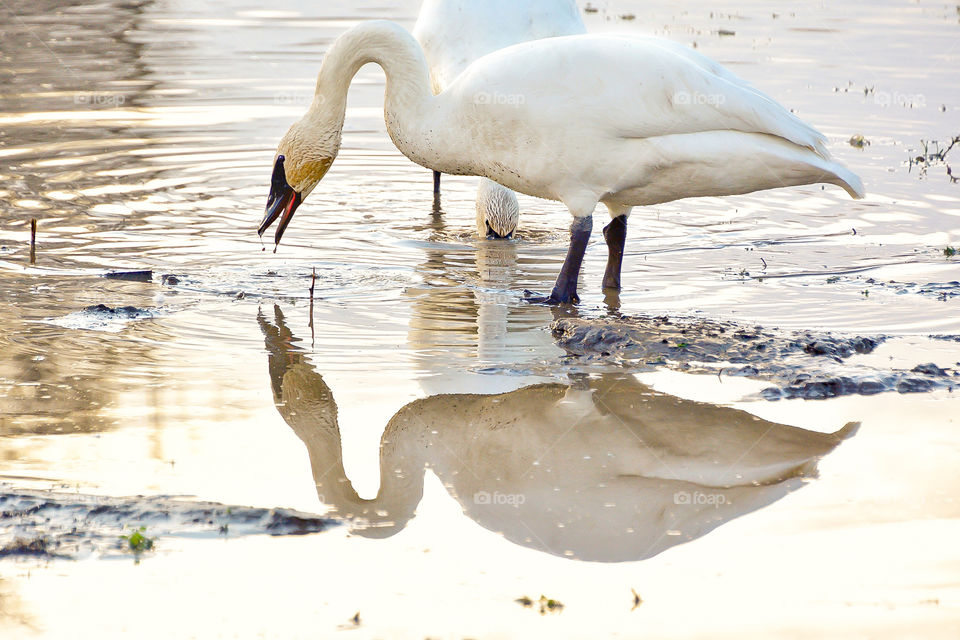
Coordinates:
[555,297]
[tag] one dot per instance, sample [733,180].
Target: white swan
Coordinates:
[454,33]
[584,119]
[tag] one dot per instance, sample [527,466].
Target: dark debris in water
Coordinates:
[132,313]
[814,387]
[942,291]
[801,364]
[933,155]
[101,317]
[544,604]
[27,547]
[939,290]
[133,276]
[51,524]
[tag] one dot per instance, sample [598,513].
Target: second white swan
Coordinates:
[454,33]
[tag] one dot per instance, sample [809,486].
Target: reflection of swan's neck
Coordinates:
[307,405]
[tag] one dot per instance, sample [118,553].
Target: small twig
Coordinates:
[943,154]
[33,241]
[313,338]
[935,157]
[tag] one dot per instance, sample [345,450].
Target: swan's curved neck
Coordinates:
[401,488]
[408,95]
[307,405]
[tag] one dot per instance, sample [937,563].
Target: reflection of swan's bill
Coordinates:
[605,470]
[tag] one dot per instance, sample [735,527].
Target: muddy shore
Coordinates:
[799,364]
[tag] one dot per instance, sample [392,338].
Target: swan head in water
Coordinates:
[497,210]
[302,159]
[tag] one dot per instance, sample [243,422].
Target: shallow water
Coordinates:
[140,135]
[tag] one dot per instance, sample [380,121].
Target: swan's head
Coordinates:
[498,212]
[304,156]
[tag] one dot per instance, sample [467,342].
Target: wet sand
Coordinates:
[140,135]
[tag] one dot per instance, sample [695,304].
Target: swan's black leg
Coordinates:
[565,290]
[436,182]
[615,234]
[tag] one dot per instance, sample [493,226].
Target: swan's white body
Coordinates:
[580,119]
[454,33]
[648,122]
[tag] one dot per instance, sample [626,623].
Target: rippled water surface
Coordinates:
[140,136]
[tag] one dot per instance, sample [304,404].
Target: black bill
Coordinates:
[493,235]
[281,203]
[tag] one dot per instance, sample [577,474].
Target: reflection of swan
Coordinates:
[454,33]
[496,267]
[465,311]
[606,470]
[583,119]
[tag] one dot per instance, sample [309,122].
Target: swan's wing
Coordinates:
[708,64]
[632,88]
[758,111]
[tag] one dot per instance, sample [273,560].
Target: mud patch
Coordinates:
[100,317]
[939,290]
[799,364]
[52,524]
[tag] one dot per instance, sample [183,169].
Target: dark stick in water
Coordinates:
[313,281]
[33,241]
